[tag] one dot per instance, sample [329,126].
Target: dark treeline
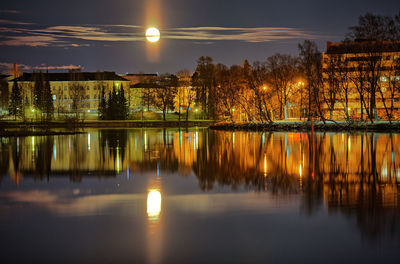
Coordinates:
[115,107]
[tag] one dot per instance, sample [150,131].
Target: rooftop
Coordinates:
[68,76]
[362,46]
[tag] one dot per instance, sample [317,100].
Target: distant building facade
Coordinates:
[62,84]
[370,72]
[139,84]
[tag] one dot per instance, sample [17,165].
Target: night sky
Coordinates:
[109,35]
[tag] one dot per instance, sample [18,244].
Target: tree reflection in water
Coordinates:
[353,174]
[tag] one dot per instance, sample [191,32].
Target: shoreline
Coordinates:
[15,128]
[105,124]
[24,129]
[304,126]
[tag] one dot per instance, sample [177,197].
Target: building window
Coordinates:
[383,79]
[88,105]
[65,88]
[54,97]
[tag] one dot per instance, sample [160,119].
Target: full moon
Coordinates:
[153,34]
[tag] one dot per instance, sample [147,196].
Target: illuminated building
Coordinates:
[91,84]
[358,64]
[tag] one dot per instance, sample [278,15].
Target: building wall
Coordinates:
[61,91]
[354,108]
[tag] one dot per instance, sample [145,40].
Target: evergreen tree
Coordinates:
[47,101]
[38,91]
[123,105]
[109,106]
[15,106]
[103,106]
[113,105]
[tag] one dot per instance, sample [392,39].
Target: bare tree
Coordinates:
[332,79]
[185,92]
[375,31]
[163,95]
[310,65]
[77,92]
[203,82]
[282,70]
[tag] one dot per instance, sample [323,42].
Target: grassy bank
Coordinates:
[295,126]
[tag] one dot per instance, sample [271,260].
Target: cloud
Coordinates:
[33,41]
[12,22]
[8,66]
[255,34]
[9,11]
[59,67]
[82,35]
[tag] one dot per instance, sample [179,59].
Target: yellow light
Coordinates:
[153,34]
[154,205]
[265,165]
[265,87]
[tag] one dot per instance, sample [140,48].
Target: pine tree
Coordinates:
[47,101]
[113,105]
[103,106]
[109,106]
[123,104]
[38,91]
[15,106]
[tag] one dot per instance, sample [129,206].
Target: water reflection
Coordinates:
[356,175]
[154,205]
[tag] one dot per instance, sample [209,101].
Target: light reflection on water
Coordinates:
[200,189]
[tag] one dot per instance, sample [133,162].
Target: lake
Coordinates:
[200,196]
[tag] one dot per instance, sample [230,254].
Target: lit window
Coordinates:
[54,97]
[383,79]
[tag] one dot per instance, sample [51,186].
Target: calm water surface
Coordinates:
[200,196]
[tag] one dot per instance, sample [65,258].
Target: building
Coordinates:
[63,86]
[364,78]
[140,83]
[135,78]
